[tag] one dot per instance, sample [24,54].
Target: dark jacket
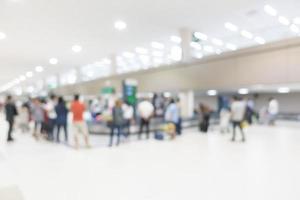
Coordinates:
[10,111]
[118,116]
[62,114]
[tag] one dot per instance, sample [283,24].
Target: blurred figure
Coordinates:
[179,124]
[61,118]
[273,110]
[225,119]
[79,125]
[205,112]
[10,112]
[38,117]
[250,111]
[238,109]
[128,117]
[146,111]
[172,116]
[117,123]
[23,119]
[51,114]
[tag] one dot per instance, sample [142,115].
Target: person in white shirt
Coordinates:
[273,110]
[238,109]
[50,109]
[145,111]
[128,117]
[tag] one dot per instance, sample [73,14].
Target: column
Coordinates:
[186,37]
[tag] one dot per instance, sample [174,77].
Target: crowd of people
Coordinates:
[49,117]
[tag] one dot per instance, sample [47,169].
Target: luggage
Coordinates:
[159,136]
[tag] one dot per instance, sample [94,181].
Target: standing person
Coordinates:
[205,112]
[273,110]
[179,124]
[10,112]
[118,122]
[172,116]
[238,109]
[146,111]
[128,117]
[61,118]
[79,125]
[23,119]
[38,116]
[225,116]
[50,109]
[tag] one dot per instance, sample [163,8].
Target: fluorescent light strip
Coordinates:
[231,27]
[270,10]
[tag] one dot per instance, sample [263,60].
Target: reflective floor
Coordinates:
[193,167]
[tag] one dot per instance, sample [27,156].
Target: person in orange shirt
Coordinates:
[79,125]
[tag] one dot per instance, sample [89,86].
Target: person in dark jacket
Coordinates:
[11,112]
[118,122]
[61,118]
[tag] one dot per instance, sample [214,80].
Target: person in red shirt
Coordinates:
[79,125]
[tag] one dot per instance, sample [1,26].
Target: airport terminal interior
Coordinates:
[149,100]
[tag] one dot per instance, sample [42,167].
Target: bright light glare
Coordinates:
[76,48]
[208,49]
[231,47]
[29,74]
[39,69]
[270,10]
[284,21]
[176,53]
[294,28]
[212,92]
[175,39]
[141,50]
[196,45]
[120,25]
[247,34]
[2,36]
[231,27]
[128,55]
[200,36]
[296,20]
[260,40]
[283,90]
[53,61]
[217,42]
[157,45]
[243,91]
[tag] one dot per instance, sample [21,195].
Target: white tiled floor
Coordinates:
[193,167]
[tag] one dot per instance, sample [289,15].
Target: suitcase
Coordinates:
[159,136]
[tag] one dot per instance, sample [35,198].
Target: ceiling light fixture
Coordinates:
[212,92]
[270,10]
[217,42]
[243,91]
[284,21]
[231,27]
[120,25]
[231,47]
[22,78]
[2,36]
[53,61]
[39,69]
[294,28]
[76,48]
[283,90]
[106,61]
[157,45]
[296,20]
[208,49]
[247,34]
[200,36]
[29,74]
[196,45]
[175,39]
[260,40]
[128,55]
[141,50]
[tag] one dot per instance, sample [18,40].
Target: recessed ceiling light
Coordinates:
[260,40]
[53,61]
[283,90]
[231,47]
[22,78]
[208,49]
[200,36]
[141,50]
[284,21]
[106,61]
[270,10]
[157,45]
[120,25]
[296,20]
[217,42]
[176,53]
[196,45]
[294,28]
[231,27]
[247,34]
[128,55]
[212,92]
[39,69]
[2,36]
[243,91]
[175,39]
[76,48]
[158,54]
[29,74]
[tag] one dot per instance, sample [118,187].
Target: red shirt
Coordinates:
[77,109]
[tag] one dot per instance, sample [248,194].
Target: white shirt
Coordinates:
[273,107]
[128,112]
[50,107]
[145,109]
[238,109]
